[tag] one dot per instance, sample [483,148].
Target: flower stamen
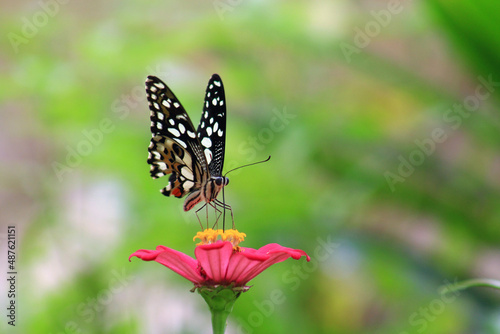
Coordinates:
[210,236]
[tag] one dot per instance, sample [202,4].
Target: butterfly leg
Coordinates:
[199,216]
[206,207]
[218,214]
[225,207]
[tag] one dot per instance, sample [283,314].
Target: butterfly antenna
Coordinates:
[253,163]
[223,194]
[223,211]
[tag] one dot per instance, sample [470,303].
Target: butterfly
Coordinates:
[193,158]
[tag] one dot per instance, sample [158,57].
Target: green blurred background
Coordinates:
[381,119]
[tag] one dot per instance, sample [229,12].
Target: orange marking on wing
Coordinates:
[176,192]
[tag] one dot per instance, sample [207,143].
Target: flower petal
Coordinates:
[179,262]
[245,265]
[239,266]
[214,259]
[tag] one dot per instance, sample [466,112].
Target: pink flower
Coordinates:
[219,262]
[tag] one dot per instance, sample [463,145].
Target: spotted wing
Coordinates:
[174,148]
[212,127]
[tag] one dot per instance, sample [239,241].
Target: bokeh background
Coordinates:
[381,119]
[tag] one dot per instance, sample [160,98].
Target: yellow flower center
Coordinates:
[209,236]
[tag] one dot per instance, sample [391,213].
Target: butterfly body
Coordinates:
[193,158]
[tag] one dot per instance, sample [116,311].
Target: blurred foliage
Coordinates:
[75,130]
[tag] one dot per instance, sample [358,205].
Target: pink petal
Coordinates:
[179,262]
[245,265]
[214,259]
[239,266]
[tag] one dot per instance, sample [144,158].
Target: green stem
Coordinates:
[219,320]
[220,300]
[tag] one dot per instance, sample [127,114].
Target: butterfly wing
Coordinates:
[174,147]
[212,127]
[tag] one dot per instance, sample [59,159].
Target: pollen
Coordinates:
[234,237]
[209,236]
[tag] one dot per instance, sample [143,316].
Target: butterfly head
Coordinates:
[212,188]
[220,181]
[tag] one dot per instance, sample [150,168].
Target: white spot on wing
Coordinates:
[171,121]
[216,126]
[188,185]
[160,116]
[206,142]
[182,129]
[156,105]
[214,102]
[209,131]
[166,103]
[180,142]
[162,165]
[191,134]
[176,105]
[160,85]
[175,132]
[208,155]
[153,96]
[217,83]
[220,133]
[159,126]
[187,173]
[153,89]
